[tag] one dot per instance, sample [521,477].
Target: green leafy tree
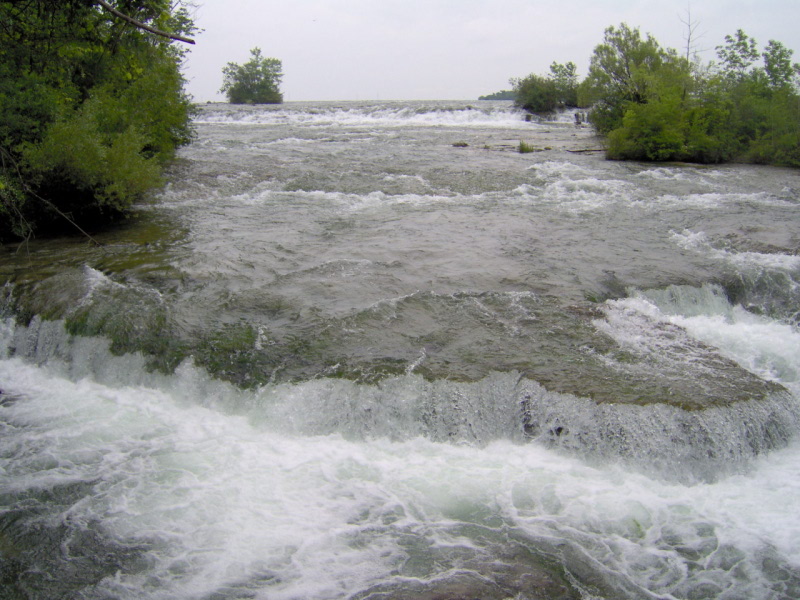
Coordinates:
[651,130]
[544,94]
[763,104]
[654,105]
[91,107]
[778,65]
[565,77]
[255,82]
[536,94]
[737,55]
[622,70]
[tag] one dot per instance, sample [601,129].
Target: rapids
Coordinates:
[371,351]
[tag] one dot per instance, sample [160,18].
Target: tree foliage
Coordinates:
[623,70]
[737,54]
[565,78]
[255,82]
[91,108]
[778,65]
[656,105]
[501,95]
[536,94]
[544,94]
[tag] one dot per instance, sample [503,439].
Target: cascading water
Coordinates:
[370,351]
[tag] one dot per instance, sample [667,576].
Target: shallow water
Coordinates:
[367,350]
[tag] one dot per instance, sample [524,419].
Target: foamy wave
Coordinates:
[573,188]
[763,346]
[365,115]
[664,174]
[699,242]
[716,199]
[222,504]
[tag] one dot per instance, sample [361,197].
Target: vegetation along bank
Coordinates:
[656,104]
[92,107]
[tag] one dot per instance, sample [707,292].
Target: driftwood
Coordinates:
[141,25]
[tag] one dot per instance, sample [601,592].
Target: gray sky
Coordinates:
[449,49]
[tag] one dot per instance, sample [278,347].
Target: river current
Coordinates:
[371,351]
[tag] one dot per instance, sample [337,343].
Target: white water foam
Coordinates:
[764,346]
[665,174]
[699,242]
[358,116]
[225,501]
[574,188]
[718,200]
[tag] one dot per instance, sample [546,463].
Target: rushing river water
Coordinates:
[370,351]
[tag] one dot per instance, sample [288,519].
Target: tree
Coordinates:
[738,53]
[778,65]
[535,94]
[565,77]
[539,94]
[621,71]
[619,67]
[144,26]
[255,82]
[655,105]
[91,108]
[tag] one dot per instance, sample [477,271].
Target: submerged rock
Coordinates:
[599,352]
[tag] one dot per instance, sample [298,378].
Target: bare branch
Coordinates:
[141,25]
[691,33]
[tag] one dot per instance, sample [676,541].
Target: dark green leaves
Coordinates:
[255,82]
[654,105]
[540,95]
[90,107]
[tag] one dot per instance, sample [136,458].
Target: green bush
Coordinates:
[542,95]
[91,109]
[651,131]
[708,137]
[536,94]
[100,166]
[778,141]
[255,82]
[654,105]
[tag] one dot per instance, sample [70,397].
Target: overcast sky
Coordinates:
[448,49]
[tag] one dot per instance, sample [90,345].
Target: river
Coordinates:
[371,351]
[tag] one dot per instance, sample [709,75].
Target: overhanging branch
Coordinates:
[141,25]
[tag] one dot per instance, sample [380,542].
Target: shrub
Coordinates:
[651,131]
[90,109]
[537,94]
[255,82]
[654,105]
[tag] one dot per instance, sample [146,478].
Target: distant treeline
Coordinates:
[501,95]
[655,104]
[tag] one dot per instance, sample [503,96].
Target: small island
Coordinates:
[501,95]
[255,82]
[656,104]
